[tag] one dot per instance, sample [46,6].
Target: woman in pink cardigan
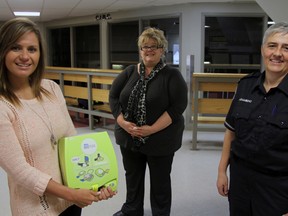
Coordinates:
[33,116]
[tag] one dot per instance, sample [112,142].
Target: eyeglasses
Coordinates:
[152,48]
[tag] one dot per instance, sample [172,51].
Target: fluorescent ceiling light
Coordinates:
[271,22]
[18,13]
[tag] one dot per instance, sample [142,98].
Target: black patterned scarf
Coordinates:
[136,109]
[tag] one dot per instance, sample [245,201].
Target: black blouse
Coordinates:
[167,91]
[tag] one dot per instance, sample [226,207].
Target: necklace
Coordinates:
[53,139]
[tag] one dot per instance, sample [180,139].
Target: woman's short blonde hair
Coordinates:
[155,34]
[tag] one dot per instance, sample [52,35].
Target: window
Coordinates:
[123,41]
[170,26]
[87,47]
[60,47]
[232,44]
[123,44]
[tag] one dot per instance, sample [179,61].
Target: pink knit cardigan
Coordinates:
[26,153]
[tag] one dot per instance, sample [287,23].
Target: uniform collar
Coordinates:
[259,82]
[283,86]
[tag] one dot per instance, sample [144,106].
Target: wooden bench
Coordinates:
[91,85]
[211,98]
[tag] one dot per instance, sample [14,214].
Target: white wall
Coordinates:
[277,12]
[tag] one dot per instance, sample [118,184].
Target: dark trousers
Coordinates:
[253,193]
[72,211]
[160,182]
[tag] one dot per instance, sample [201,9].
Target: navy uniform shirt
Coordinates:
[260,122]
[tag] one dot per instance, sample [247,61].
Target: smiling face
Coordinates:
[275,53]
[23,57]
[150,52]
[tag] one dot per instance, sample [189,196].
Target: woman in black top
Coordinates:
[256,139]
[147,101]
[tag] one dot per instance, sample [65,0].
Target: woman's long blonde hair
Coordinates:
[10,32]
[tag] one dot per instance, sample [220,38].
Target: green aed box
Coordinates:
[88,161]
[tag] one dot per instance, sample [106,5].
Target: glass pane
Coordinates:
[170,26]
[60,47]
[232,44]
[87,47]
[123,44]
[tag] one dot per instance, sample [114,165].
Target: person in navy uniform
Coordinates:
[255,144]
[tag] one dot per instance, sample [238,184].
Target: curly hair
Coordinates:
[155,34]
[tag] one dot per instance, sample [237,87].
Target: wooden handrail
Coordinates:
[53,68]
[218,75]
[96,88]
